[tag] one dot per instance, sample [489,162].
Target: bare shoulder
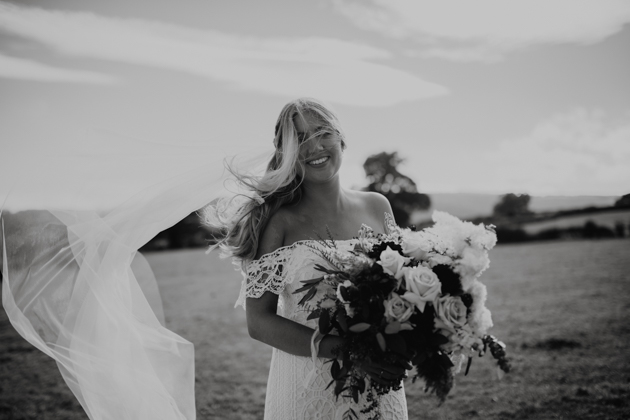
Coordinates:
[379,202]
[376,205]
[273,235]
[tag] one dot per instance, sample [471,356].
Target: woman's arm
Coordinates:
[266,326]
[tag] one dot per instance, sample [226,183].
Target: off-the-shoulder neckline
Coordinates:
[301,241]
[296,243]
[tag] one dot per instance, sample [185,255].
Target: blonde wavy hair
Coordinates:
[242,218]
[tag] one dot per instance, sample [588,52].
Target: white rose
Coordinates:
[422,286]
[397,309]
[392,262]
[450,314]
[415,246]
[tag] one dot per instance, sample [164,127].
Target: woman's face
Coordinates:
[321,155]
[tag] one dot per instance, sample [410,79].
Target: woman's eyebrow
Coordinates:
[316,130]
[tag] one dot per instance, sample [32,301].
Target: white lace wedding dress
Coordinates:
[293,394]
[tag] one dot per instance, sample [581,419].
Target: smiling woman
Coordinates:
[270,234]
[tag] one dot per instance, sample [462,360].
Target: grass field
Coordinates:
[561,307]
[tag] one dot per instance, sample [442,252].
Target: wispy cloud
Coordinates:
[24,69]
[331,69]
[484,30]
[577,152]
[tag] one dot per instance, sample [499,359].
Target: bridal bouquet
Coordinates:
[408,297]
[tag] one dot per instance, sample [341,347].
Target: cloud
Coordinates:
[24,69]
[580,152]
[570,153]
[331,69]
[485,30]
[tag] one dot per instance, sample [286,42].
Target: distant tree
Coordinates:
[402,193]
[592,231]
[512,205]
[620,229]
[624,201]
[187,233]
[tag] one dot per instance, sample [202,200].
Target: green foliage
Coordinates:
[401,191]
[623,201]
[513,205]
[187,233]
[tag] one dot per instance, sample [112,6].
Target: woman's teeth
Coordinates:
[318,161]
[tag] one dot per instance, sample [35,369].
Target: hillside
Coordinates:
[474,205]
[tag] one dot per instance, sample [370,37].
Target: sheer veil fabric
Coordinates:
[75,286]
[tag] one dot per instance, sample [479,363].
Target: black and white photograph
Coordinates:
[314,210]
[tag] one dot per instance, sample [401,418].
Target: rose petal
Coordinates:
[415,299]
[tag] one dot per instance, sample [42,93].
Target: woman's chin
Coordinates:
[321,177]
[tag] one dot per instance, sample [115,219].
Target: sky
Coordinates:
[485,96]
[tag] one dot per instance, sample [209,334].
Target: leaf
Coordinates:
[342,319]
[335,369]
[393,327]
[381,341]
[323,269]
[468,365]
[360,327]
[343,372]
[354,414]
[307,296]
[324,322]
[312,281]
[445,361]
[313,315]
[303,288]
[361,383]
[339,386]
[330,383]
[355,394]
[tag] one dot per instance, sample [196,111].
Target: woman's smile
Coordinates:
[319,161]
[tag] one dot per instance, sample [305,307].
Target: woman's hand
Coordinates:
[384,374]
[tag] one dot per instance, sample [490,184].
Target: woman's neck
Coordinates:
[326,197]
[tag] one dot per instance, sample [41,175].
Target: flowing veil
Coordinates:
[75,286]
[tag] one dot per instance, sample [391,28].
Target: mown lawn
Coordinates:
[561,307]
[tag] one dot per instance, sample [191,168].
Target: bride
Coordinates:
[297,200]
[76,288]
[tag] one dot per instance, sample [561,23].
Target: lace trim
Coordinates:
[391,226]
[267,273]
[270,273]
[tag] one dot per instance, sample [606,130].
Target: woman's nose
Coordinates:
[314,147]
